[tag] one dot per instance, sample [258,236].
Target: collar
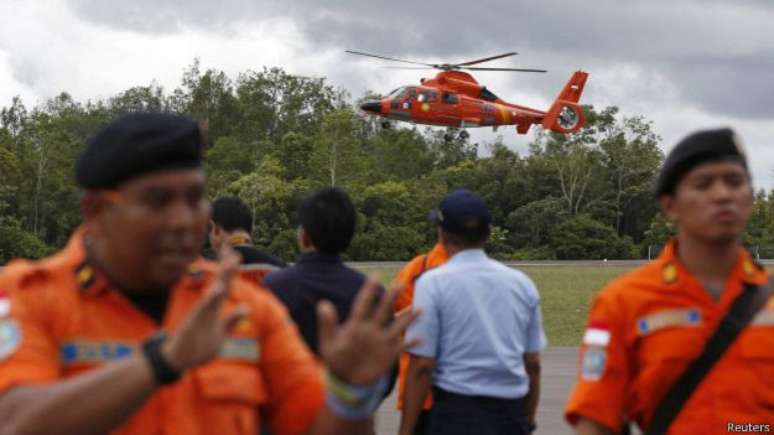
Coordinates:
[438,251]
[319,257]
[92,282]
[745,269]
[88,279]
[469,256]
[239,239]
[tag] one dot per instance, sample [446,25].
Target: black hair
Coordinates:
[232,214]
[329,219]
[467,240]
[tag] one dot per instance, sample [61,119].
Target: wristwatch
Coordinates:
[163,373]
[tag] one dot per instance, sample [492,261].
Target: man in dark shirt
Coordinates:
[326,227]
[232,223]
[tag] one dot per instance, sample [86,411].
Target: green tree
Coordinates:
[631,159]
[532,225]
[337,157]
[657,235]
[582,237]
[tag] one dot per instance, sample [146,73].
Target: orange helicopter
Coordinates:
[455,99]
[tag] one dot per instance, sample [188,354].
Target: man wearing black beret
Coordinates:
[128,331]
[685,344]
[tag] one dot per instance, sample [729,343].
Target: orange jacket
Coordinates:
[407,277]
[69,319]
[647,326]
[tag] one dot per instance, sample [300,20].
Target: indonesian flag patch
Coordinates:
[597,334]
[5,304]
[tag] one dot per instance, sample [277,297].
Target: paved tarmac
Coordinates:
[559,368]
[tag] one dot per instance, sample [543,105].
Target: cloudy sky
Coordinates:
[684,64]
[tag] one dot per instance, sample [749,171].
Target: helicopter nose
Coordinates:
[372,106]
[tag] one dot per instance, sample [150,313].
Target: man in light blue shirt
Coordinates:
[481,333]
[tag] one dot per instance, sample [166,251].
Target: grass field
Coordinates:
[566,293]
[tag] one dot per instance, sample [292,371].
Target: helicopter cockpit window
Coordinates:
[412,93]
[397,93]
[450,98]
[487,95]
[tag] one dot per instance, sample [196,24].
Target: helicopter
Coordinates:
[455,99]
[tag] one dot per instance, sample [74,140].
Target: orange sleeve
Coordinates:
[406,277]
[604,368]
[293,376]
[28,352]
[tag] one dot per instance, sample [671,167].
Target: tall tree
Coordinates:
[337,155]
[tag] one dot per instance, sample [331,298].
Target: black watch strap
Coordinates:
[163,373]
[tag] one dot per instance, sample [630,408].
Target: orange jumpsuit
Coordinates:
[647,326]
[407,277]
[65,318]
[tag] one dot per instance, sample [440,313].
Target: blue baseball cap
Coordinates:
[462,212]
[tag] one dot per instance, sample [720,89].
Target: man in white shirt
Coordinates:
[481,332]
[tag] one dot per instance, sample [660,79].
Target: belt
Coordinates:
[443,395]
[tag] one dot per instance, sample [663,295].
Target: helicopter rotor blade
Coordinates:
[410,67]
[360,53]
[486,59]
[505,69]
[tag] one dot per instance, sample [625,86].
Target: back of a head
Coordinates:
[464,218]
[231,214]
[329,218]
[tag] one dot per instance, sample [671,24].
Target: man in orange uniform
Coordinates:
[126,331]
[647,327]
[407,278]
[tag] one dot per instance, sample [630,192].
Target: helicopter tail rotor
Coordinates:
[565,115]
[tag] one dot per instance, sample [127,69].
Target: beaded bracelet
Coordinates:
[352,402]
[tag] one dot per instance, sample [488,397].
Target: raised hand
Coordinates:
[202,332]
[364,348]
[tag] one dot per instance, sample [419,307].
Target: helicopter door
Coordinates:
[400,106]
[448,110]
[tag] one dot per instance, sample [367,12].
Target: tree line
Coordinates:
[274,136]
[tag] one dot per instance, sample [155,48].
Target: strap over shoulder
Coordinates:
[744,308]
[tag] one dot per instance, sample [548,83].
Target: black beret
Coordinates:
[707,146]
[138,144]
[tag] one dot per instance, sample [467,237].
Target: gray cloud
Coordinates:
[717,55]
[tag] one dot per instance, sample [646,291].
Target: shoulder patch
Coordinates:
[593,363]
[10,337]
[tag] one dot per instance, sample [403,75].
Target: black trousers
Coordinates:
[455,414]
[422,423]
